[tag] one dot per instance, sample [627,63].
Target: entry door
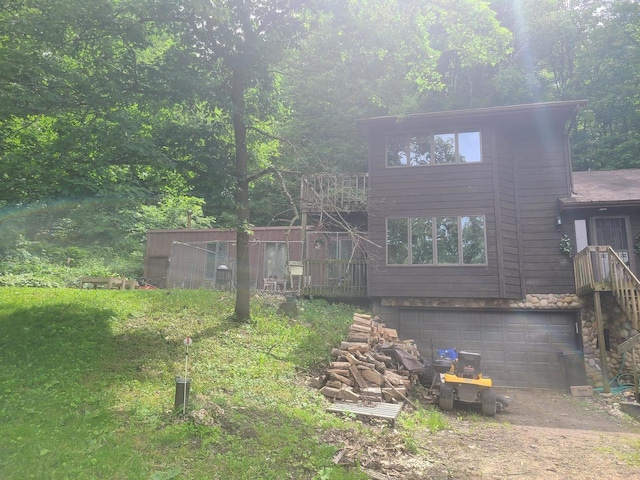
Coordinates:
[612,231]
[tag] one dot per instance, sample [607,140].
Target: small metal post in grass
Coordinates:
[187,342]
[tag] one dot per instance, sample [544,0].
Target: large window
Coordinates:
[417,149]
[275,260]
[436,241]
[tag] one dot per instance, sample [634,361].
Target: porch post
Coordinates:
[603,350]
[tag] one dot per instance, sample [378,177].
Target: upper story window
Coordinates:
[443,240]
[416,149]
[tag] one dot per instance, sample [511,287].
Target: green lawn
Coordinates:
[87,386]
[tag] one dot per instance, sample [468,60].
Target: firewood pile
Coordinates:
[372,365]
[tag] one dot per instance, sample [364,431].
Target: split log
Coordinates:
[389,394]
[339,371]
[342,379]
[391,333]
[352,359]
[387,360]
[334,384]
[353,346]
[380,366]
[358,337]
[371,394]
[394,378]
[358,377]
[340,365]
[356,327]
[340,394]
[372,376]
[337,353]
[363,322]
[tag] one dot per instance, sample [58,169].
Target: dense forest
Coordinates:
[118,116]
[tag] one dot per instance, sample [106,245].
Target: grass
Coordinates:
[87,386]
[629,454]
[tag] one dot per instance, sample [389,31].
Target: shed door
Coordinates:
[519,349]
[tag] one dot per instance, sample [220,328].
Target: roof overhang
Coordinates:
[563,111]
[567,204]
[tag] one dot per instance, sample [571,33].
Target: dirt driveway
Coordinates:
[542,435]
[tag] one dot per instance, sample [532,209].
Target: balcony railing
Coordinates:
[335,278]
[334,193]
[599,268]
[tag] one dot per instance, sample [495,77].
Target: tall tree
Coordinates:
[607,134]
[241,40]
[378,57]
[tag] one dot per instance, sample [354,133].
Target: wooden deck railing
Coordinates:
[590,268]
[599,268]
[328,192]
[335,278]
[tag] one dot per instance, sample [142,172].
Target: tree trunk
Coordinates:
[243,281]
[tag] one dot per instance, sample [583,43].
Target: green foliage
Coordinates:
[608,74]
[87,387]
[429,419]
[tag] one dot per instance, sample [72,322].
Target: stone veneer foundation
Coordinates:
[615,321]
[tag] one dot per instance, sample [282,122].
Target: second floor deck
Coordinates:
[334,192]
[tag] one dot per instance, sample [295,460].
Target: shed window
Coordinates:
[275,259]
[423,149]
[451,240]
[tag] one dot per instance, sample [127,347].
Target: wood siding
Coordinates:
[523,173]
[507,213]
[542,178]
[439,190]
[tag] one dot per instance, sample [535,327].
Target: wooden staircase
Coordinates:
[600,269]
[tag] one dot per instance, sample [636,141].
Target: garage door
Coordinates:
[519,349]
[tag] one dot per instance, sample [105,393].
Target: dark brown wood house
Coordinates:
[468,231]
[477,218]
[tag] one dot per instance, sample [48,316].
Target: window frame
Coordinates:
[434,237]
[404,138]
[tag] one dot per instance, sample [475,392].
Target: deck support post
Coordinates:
[303,251]
[603,349]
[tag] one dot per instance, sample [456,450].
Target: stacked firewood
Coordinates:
[372,365]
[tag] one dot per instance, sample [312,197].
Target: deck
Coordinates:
[334,193]
[335,278]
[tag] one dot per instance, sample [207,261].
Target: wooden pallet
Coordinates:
[388,411]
